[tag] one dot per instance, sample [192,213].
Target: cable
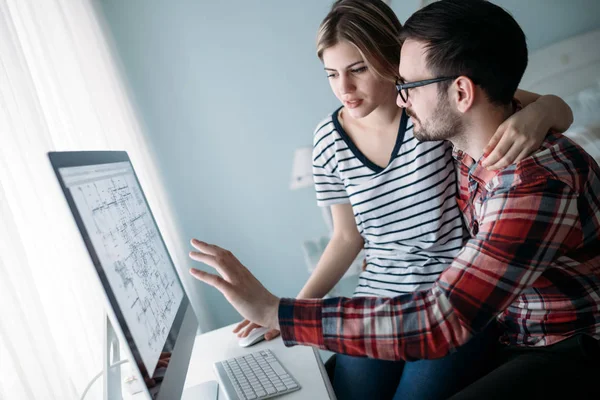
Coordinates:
[98,376]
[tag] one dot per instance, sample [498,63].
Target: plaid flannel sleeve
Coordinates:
[522,230]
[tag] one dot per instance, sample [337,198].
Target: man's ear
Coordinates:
[463,93]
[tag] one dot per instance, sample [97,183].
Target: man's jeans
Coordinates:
[365,379]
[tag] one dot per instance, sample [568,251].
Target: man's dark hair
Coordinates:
[474,38]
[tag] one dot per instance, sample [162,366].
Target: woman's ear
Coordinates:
[463,93]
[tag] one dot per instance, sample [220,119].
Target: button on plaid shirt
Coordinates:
[532,263]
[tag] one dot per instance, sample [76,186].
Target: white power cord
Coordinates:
[95,378]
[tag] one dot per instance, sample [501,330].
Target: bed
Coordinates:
[571,69]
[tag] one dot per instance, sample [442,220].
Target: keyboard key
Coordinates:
[277,368]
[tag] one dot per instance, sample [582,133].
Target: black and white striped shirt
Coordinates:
[406,212]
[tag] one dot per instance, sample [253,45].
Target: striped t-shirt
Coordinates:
[406,212]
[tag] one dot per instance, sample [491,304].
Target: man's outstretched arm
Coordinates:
[522,232]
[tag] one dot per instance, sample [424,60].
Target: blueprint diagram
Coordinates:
[133,257]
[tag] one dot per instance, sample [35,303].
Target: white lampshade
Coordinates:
[302,169]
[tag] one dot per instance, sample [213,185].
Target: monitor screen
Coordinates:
[128,251]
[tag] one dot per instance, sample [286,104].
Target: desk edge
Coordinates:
[324,376]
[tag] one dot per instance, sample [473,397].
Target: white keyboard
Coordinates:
[257,375]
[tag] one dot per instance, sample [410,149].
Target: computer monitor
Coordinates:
[147,304]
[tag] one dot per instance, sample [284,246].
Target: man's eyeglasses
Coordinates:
[402,87]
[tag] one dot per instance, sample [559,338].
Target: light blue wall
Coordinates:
[228,89]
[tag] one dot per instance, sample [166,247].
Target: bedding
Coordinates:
[585,130]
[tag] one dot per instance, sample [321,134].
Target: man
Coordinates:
[533,262]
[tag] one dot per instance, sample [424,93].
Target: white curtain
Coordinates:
[59,90]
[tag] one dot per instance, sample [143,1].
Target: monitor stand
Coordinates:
[112,376]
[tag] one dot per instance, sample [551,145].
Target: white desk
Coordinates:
[304,363]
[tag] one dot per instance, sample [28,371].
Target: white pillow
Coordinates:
[588,137]
[586,106]
[585,130]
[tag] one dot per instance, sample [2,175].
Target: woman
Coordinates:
[395,196]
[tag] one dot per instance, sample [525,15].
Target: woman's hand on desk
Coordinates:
[245,293]
[249,326]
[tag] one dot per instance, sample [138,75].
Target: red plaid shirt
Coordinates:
[533,263]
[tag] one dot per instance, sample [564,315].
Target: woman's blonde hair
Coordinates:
[371,26]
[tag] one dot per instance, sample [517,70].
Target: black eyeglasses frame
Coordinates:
[404,86]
